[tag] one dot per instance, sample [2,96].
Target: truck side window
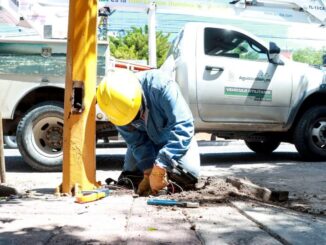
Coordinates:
[228,43]
[36,65]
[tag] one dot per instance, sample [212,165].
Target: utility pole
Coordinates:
[152,35]
[79,167]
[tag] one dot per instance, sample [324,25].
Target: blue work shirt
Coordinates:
[167,127]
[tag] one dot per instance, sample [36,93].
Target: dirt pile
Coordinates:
[214,190]
[208,190]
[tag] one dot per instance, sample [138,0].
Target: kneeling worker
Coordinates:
[152,116]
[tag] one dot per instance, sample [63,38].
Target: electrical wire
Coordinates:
[173,183]
[125,178]
[172,186]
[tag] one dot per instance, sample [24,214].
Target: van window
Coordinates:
[54,65]
[232,44]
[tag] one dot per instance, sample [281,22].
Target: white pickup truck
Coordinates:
[239,87]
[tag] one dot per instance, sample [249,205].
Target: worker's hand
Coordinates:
[158,179]
[144,188]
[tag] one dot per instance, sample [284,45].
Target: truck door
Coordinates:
[236,82]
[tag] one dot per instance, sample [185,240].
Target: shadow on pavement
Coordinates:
[16,164]
[44,190]
[37,235]
[247,158]
[109,162]
[103,162]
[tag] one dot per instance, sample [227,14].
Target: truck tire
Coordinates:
[264,147]
[310,134]
[39,136]
[10,142]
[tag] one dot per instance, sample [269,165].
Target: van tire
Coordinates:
[310,134]
[40,136]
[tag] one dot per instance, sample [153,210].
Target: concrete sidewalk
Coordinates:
[120,219]
[46,219]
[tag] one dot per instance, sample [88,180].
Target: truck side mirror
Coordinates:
[273,48]
[274,54]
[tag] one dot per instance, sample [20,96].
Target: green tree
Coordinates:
[246,52]
[134,45]
[309,55]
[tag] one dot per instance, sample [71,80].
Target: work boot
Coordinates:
[130,179]
[6,191]
[184,179]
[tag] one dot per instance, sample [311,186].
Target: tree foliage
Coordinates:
[309,55]
[134,45]
[245,52]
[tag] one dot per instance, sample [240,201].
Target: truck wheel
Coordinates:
[263,147]
[10,141]
[39,136]
[310,134]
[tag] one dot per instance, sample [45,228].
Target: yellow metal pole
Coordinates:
[79,168]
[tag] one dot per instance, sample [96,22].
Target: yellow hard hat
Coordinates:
[119,96]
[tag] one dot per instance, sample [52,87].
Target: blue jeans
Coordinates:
[190,161]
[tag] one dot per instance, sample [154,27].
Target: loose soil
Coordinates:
[210,191]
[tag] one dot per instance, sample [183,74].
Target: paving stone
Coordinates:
[292,227]
[159,225]
[225,225]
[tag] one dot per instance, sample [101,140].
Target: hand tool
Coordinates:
[90,196]
[172,202]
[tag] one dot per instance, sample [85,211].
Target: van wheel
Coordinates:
[40,136]
[263,147]
[10,142]
[310,134]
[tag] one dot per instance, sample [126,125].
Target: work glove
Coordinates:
[144,188]
[158,179]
